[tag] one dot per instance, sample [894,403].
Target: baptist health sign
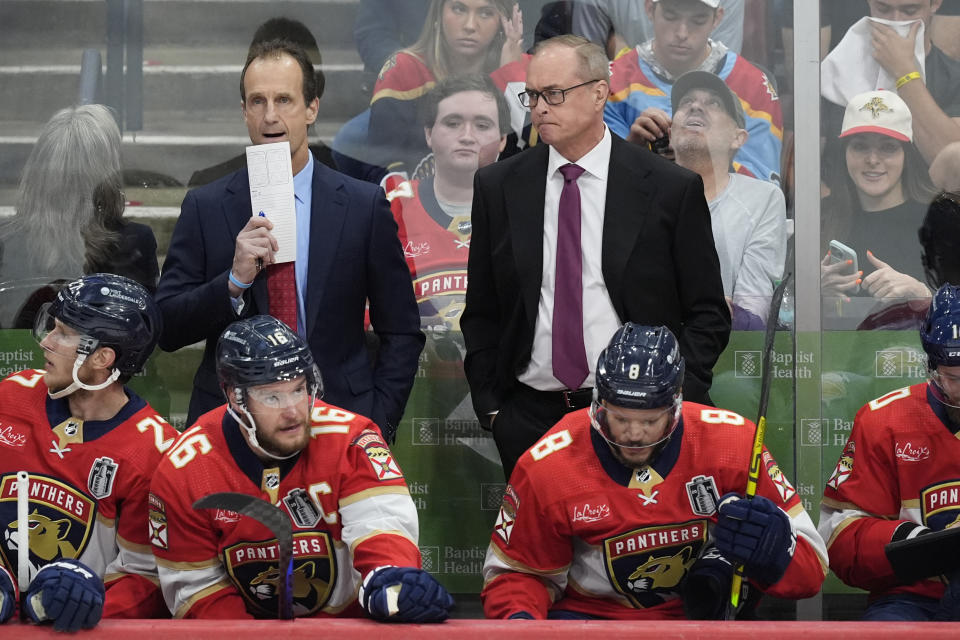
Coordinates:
[901,363]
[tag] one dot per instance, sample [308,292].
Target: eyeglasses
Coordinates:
[552,97]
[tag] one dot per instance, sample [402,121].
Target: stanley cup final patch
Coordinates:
[102,473]
[702,492]
[302,509]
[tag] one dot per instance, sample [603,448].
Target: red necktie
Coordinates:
[569,354]
[282,289]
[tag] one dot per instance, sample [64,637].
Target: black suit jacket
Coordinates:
[659,265]
[355,254]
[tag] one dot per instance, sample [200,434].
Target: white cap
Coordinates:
[882,112]
[713,4]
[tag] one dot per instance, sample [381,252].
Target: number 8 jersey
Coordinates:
[580,532]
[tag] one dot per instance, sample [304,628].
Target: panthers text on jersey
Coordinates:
[435,246]
[345,495]
[900,464]
[89,482]
[578,531]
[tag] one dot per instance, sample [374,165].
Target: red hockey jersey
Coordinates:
[435,246]
[344,493]
[900,464]
[578,531]
[89,482]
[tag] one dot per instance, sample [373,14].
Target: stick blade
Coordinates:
[272,518]
[925,556]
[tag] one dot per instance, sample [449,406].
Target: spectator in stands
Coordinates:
[879,191]
[294,31]
[465,124]
[385,26]
[641,80]
[748,216]
[459,36]
[931,91]
[945,169]
[69,213]
[622,24]
[940,240]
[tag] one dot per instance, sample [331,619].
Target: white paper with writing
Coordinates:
[271,194]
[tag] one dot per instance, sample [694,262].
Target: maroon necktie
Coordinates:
[282,289]
[569,354]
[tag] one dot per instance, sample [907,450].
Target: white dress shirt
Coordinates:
[600,320]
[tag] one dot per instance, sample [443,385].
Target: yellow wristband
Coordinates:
[913,75]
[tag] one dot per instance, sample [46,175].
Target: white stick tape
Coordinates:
[23,530]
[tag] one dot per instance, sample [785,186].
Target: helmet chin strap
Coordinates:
[250,426]
[940,395]
[77,384]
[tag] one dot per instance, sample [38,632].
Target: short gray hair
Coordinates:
[592,59]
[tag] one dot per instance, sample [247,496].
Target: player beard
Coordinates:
[286,446]
[953,414]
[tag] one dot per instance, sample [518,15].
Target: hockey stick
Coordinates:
[23,530]
[754,474]
[272,518]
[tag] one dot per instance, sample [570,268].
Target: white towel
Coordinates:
[851,69]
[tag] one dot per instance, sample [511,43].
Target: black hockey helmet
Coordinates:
[641,368]
[262,350]
[108,311]
[939,333]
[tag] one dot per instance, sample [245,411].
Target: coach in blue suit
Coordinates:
[348,252]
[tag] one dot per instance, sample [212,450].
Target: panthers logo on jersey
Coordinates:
[647,565]
[60,521]
[253,568]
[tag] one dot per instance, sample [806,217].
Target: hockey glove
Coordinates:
[756,533]
[404,594]
[949,610]
[8,595]
[67,592]
[706,590]
[520,615]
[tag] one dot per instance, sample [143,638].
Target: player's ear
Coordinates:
[104,357]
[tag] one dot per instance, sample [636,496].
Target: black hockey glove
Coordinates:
[404,594]
[8,595]
[758,534]
[706,589]
[67,592]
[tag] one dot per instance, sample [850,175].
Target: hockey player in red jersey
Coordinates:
[89,446]
[355,525]
[898,477]
[617,511]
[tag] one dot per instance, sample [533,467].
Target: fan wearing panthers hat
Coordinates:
[632,508]
[354,524]
[899,477]
[88,445]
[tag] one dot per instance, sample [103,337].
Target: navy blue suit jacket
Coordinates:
[355,254]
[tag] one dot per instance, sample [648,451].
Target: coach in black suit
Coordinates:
[348,252]
[648,254]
